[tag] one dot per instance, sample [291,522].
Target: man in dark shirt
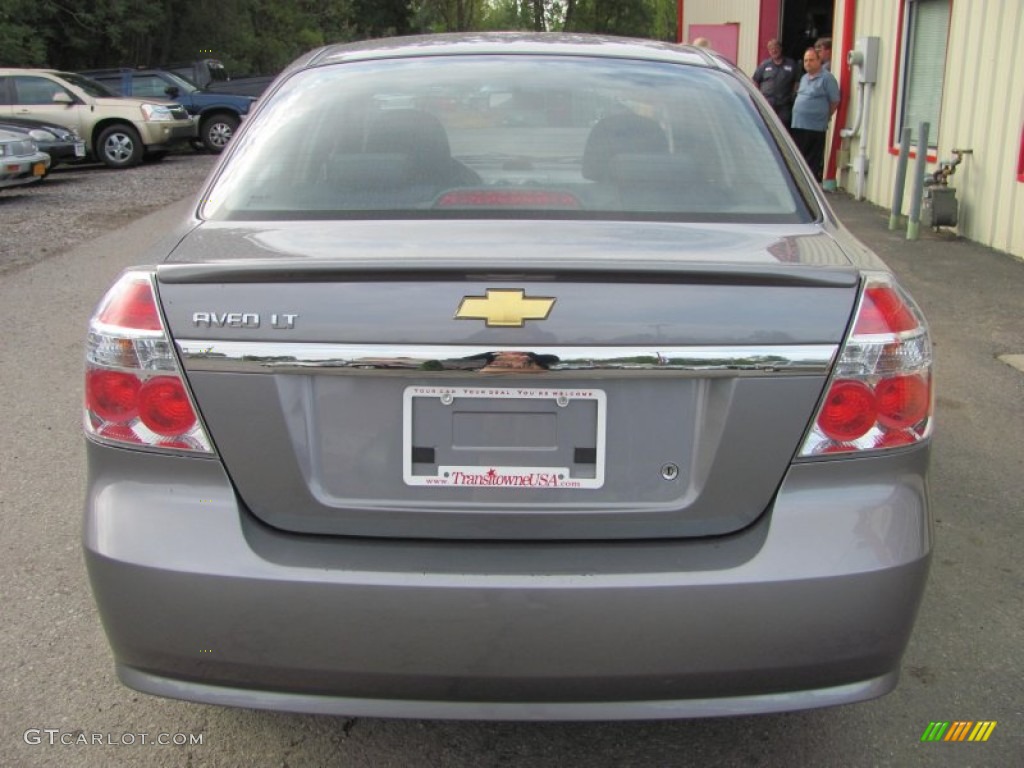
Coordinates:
[778,77]
[823,45]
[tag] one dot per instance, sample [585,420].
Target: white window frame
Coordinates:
[923,58]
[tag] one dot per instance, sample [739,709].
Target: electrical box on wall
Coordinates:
[939,207]
[864,56]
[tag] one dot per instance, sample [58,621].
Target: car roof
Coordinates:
[520,43]
[29,70]
[59,73]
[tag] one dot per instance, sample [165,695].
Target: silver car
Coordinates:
[509,377]
[21,162]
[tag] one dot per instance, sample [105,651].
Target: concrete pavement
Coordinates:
[967,650]
[965,661]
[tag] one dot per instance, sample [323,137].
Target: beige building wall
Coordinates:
[982,110]
[745,12]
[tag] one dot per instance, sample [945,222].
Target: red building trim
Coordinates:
[845,46]
[896,71]
[768,25]
[1020,159]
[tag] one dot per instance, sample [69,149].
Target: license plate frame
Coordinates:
[494,477]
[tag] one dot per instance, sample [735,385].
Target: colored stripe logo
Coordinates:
[959,730]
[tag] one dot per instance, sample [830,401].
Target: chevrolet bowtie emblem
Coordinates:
[504,308]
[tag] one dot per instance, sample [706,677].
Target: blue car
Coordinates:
[219,113]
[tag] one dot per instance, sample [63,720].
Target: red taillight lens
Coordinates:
[131,305]
[164,406]
[849,411]
[134,391]
[902,401]
[883,311]
[120,433]
[507,198]
[112,395]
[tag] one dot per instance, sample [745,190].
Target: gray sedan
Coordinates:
[509,377]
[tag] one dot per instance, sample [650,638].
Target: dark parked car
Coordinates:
[63,145]
[218,113]
[574,401]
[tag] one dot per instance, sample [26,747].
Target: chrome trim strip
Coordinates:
[462,360]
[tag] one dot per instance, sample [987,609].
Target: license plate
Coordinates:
[503,438]
[79,149]
[39,169]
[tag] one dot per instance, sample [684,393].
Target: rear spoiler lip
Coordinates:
[391,270]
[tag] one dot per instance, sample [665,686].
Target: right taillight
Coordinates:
[880,393]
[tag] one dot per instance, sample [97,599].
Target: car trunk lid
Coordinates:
[616,381]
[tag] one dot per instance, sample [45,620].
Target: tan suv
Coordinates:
[119,132]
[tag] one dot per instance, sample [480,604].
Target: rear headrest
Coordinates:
[621,133]
[415,133]
[369,171]
[651,169]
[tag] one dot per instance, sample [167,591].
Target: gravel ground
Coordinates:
[77,203]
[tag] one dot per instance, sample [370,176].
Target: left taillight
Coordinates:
[135,395]
[880,394]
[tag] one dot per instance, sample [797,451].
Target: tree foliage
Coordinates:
[262,36]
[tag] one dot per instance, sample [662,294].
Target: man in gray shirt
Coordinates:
[777,78]
[817,99]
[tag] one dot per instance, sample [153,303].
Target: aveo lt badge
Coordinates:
[504,308]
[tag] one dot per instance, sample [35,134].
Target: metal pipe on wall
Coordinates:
[896,213]
[861,163]
[917,188]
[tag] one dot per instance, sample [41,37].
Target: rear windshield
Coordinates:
[508,136]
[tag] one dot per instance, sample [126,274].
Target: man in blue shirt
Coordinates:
[817,99]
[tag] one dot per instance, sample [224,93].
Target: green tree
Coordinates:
[86,33]
[262,36]
[381,18]
[23,33]
[507,14]
[655,19]
[633,18]
[450,15]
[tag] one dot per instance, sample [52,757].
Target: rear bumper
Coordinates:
[811,606]
[65,153]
